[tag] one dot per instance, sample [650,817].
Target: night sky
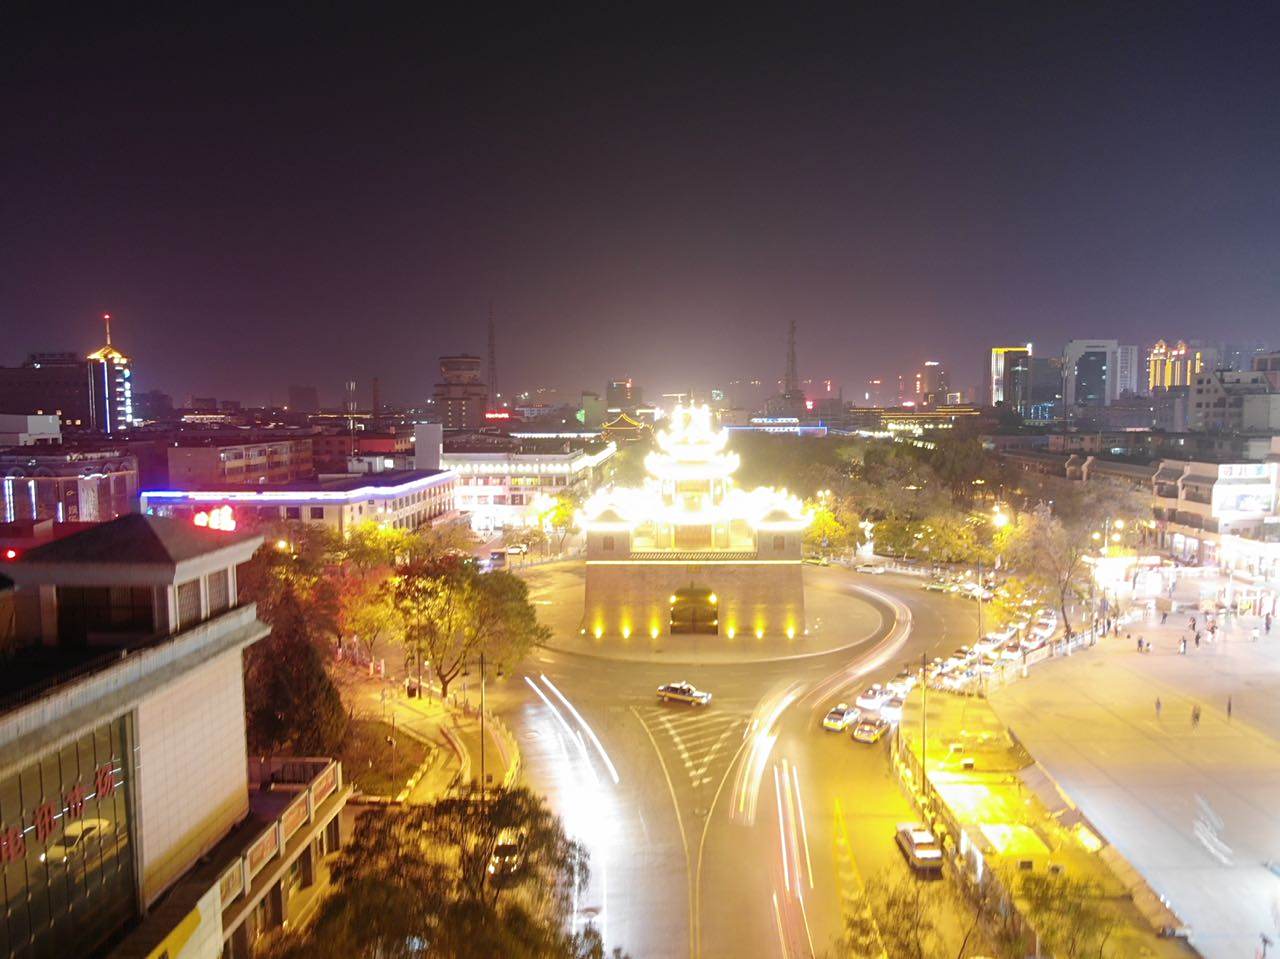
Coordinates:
[298,197]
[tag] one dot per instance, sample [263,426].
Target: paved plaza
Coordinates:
[1193,805]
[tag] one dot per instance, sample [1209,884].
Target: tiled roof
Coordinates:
[136,539]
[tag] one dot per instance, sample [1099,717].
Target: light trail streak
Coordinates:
[782,833]
[591,733]
[762,736]
[804,829]
[777,919]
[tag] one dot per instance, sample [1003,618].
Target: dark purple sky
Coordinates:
[273,198]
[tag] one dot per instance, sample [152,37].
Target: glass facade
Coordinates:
[66,845]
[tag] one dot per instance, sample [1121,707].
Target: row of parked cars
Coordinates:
[875,710]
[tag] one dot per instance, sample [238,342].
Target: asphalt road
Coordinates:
[737,828]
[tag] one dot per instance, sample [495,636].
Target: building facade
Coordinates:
[689,551]
[461,397]
[125,789]
[91,394]
[1234,401]
[66,486]
[506,482]
[1007,376]
[398,499]
[1177,365]
[215,462]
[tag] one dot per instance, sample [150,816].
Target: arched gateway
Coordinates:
[690,552]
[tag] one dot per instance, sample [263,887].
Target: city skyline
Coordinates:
[677,209]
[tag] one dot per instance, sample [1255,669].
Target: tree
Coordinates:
[905,916]
[449,613]
[417,880]
[561,515]
[365,611]
[1050,554]
[829,529]
[1067,914]
[291,704]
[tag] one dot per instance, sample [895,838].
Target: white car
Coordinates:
[892,710]
[840,718]
[873,697]
[903,683]
[683,692]
[517,548]
[920,846]
[1043,632]
[870,568]
[1011,651]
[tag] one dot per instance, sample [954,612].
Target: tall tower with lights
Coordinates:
[111,386]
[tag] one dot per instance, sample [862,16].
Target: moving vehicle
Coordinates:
[818,560]
[75,839]
[516,549]
[840,717]
[683,692]
[508,852]
[938,586]
[920,847]
[497,558]
[872,697]
[870,730]
[892,710]
[870,568]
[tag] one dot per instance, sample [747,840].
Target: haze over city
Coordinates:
[635,195]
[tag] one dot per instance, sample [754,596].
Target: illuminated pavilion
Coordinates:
[690,552]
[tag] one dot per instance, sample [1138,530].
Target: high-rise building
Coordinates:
[93,393]
[1007,376]
[1177,365]
[461,397]
[1239,356]
[931,384]
[1127,380]
[304,399]
[1096,372]
[622,395]
[877,393]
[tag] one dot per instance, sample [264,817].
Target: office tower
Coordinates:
[1177,365]
[622,395]
[1007,376]
[460,396]
[304,399]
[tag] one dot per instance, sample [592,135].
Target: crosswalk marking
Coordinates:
[697,738]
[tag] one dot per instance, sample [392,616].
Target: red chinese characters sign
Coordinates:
[47,817]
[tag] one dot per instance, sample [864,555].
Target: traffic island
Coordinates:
[1035,869]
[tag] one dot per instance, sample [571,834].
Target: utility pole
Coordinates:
[484,783]
[791,381]
[924,723]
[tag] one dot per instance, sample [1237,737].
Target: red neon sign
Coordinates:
[497,415]
[220,517]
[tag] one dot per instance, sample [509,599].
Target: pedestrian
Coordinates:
[1182,646]
[1139,644]
[1195,717]
[1197,640]
[1228,708]
[1164,616]
[1266,620]
[1157,707]
[1192,625]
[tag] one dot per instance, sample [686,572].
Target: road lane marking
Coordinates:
[595,740]
[684,840]
[804,829]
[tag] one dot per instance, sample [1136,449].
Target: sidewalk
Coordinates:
[1192,807]
[453,732]
[1004,820]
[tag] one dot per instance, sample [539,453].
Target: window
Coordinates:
[317,512]
[188,603]
[293,512]
[607,543]
[219,592]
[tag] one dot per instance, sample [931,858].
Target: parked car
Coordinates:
[872,697]
[892,710]
[840,717]
[870,730]
[515,549]
[903,683]
[920,847]
[871,568]
[683,692]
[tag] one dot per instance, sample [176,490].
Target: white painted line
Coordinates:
[590,732]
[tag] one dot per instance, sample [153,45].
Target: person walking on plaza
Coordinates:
[1164,617]
[1197,639]
[1195,717]
[1182,646]
[1157,707]
[1228,709]
[1266,622]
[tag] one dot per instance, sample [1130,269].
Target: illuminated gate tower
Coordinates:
[690,552]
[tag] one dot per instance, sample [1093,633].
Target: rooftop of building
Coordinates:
[135,539]
[462,444]
[331,483]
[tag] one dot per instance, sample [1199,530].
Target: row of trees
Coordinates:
[415,593]
[901,918]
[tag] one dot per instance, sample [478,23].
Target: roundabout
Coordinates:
[841,616]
